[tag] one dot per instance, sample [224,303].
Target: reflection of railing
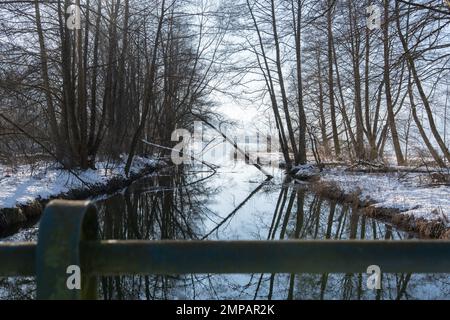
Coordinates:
[68,236]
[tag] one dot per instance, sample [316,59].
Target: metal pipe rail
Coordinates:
[68,236]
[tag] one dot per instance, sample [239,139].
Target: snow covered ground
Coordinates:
[410,193]
[26,183]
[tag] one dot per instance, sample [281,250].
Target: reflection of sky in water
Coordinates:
[146,212]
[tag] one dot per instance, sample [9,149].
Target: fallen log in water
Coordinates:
[244,153]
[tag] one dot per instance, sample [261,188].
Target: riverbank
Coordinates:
[411,201]
[26,190]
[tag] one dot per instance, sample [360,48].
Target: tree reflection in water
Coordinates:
[170,207]
[236,204]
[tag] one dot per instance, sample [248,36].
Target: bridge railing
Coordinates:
[68,237]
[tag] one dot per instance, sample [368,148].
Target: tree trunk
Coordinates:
[282,87]
[301,109]
[387,82]
[337,148]
[55,136]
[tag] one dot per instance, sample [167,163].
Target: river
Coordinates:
[236,203]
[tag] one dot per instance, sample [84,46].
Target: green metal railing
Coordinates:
[68,236]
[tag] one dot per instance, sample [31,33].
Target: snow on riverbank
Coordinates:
[410,193]
[26,183]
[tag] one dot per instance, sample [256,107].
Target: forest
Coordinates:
[130,70]
[336,112]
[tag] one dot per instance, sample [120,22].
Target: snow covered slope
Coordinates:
[27,183]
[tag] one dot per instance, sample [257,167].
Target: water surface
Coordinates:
[236,203]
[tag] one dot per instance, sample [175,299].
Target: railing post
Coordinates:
[63,226]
